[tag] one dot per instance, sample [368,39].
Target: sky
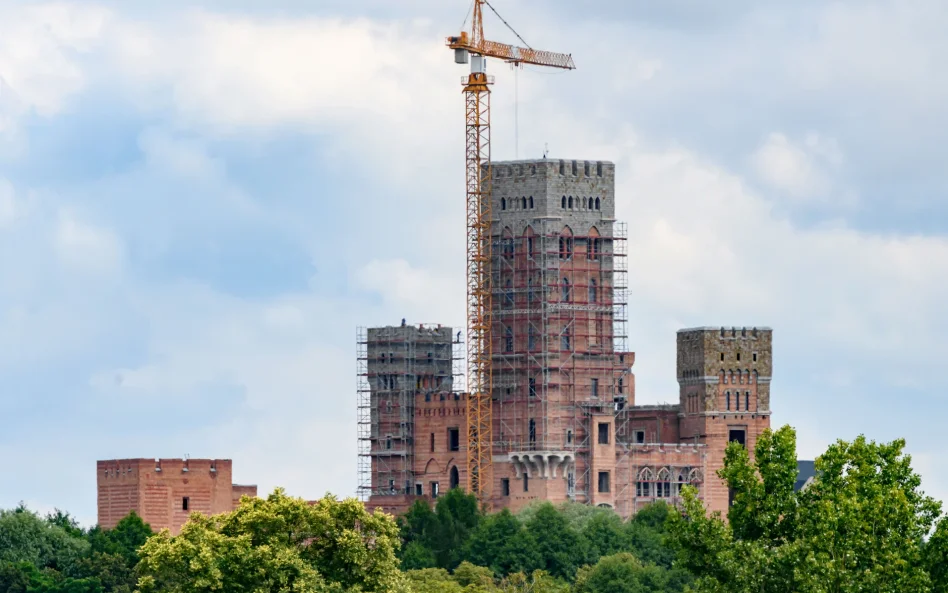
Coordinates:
[201,202]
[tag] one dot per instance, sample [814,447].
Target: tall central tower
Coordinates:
[557,277]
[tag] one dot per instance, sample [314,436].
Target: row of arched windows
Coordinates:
[581,203]
[666,483]
[737,401]
[525,203]
[734,377]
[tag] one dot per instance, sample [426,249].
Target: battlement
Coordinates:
[131,468]
[729,332]
[575,168]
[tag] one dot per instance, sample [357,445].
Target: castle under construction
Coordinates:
[565,424]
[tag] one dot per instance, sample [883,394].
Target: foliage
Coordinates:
[436,538]
[25,537]
[623,573]
[277,544]
[858,527]
[561,549]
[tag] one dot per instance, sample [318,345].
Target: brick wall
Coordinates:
[165,492]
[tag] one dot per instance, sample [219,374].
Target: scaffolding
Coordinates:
[394,364]
[560,311]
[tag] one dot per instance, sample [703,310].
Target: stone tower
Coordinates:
[724,385]
[555,297]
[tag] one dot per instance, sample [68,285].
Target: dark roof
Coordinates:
[805,471]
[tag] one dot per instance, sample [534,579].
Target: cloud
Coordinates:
[194,347]
[86,247]
[8,207]
[793,169]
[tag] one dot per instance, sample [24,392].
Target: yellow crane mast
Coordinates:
[472,46]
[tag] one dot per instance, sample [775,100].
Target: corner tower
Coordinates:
[724,389]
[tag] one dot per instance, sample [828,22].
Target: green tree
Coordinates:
[858,527]
[25,537]
[432,580]
[561,549]
[935,557]
[502,543]
[621,573]
[124,539]
[277,544]
[605,535]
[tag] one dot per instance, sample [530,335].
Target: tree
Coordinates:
[857,527]
[432,580]
[25,537]
[443,532]
[561,549]
[277,544]
[502,543]
[621,573]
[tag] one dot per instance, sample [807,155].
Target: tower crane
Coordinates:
[472,46]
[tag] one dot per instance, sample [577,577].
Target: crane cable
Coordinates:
[494,10]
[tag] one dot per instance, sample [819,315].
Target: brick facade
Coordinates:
[164,492]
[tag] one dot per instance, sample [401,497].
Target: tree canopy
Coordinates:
[860,526]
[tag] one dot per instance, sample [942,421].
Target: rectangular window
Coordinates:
[454,439]
[434,490]
[640,437]
[531,338]
[533,387]
[755,357]
[722,357]
[526,483]
[736,435]
[388,443]
[604,482]
[620,385]
[603,433]
[595,387]
[533,432]
[569,437]
[419,490]
[391,486]
[432,442]
[505,487]
[184,503]
[643,489]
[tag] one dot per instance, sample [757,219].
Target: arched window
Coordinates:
[584,203]
[643,483]
[566,243]
[455,477]
[529,234]
[531,202]
[593,296]
[723,377]
[507,243]
[565,295]
[508,340]
[503,203]
[747,401]
[508,294]
[597,203]
[523,202]
[570,202]
[564,339]
[663,485]
[563,203]
[728,401]
[681,480]
[594,244]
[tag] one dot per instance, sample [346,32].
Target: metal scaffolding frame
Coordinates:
[559,307]
[394,364]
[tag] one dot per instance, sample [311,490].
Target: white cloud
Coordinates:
[86,247]
[416,293]
[39,48]
[790,168]
[8,207]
